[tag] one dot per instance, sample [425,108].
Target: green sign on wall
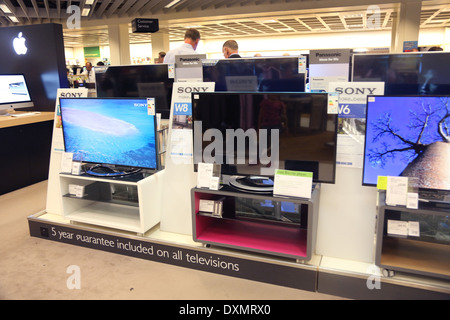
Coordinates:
[91,52]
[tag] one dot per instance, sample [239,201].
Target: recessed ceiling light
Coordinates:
[85,11]
[170,5]
[89,2]
[5,8]
[13,19]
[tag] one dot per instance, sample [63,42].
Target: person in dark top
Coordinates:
[230,49]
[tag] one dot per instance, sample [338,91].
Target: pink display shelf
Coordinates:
[283,239]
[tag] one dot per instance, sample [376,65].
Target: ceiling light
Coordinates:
[171,4]
[85,11]
[89,2]
[13,19]
[5,8]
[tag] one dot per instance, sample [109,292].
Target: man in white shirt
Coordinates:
[90,73]
[191,40]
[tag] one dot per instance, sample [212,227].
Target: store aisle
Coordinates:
[32,268]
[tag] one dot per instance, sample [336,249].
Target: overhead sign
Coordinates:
[145,25]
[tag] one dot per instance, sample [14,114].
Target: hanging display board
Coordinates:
[179,174]
[327,66]
[352,119]
[53,202]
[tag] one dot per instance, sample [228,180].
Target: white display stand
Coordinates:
[97,204]
[180,177]
[135,217]
[54,204]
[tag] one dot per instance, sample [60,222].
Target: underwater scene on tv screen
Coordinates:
[110,131]
[408,136]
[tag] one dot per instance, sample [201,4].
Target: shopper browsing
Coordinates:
[90,73]
[230,49]
[191,40]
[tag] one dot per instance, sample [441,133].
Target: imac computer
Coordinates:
[14,93]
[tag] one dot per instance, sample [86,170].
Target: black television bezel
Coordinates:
[158,165]
[365,136]
[252,59]
[165,113]
[333,181]
[406,54]
[29,103]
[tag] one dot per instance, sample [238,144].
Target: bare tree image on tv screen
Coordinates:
[409,136]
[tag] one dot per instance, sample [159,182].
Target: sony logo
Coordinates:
[350,90]
[70,94]
[192,89]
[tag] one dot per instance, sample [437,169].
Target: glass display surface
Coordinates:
[408,136]
[110,131]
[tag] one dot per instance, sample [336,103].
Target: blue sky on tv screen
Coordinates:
[405,116]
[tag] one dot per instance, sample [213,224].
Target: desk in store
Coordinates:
[24,150]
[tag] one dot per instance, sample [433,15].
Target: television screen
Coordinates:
[137,81]
[14,91]
[255,74]
[408,136]
[406,73]
[110,131]
[254,133]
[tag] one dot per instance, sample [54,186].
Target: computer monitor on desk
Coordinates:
[14,93]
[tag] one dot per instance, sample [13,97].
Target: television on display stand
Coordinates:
[251,134]
[115,137]
[14,93]
[409,136]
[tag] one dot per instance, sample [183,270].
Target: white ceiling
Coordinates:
[216,18]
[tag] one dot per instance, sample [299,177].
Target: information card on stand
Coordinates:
[292,183]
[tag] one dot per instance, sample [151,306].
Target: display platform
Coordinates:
[348,279]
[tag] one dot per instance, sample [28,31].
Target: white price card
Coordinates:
[204,174]
[397,228]
[292,183]
[66,162]
[397,189]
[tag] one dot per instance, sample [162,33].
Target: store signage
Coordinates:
[19,44]
[139,25]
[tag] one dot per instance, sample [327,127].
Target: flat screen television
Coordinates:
[137,81]
[261,74]
[405,73]
[408,136]
[110,132]
[14,93]
[253,133]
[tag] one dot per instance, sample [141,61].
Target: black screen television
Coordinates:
[14,93]
[259,132]
[405,73]
[263,74]
[408,136]
[135,81]
[110,132]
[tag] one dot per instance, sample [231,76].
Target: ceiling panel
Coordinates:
[103,12]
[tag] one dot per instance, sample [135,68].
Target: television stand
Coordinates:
[258,184]
[106,171]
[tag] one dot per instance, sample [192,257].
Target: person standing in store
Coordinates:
[191,40]
[90,73]
[230,49]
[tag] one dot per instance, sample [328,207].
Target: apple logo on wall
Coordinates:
[19,44]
